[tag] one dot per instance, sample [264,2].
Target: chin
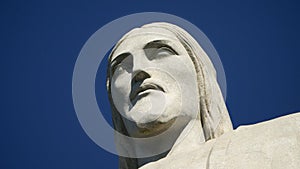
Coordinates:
[153,128]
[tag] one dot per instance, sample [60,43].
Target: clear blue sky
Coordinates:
[257,41]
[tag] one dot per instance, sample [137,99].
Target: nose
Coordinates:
[140,77]
[136,82]
[139,72]
[140,63]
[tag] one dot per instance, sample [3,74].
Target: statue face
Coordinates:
[153,82]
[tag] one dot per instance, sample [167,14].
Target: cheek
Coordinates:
[120,87]
[180,66]
[121,83]
[183,71]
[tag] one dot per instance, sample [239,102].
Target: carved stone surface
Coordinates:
[160,81]
[268,145]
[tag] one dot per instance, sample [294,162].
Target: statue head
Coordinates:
[150,70]
[159,74]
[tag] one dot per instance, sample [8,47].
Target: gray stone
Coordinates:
[161,81]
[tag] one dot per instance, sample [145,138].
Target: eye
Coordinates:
[159,49]
[124,65]
[120,61]
[163,52]
[118,68]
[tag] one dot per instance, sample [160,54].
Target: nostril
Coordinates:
[136,82]
[140,76]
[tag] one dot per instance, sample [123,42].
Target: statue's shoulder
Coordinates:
[270,144]
[281,126]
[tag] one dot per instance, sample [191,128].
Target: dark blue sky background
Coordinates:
[257,41]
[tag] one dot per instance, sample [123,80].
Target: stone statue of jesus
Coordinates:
[162,84]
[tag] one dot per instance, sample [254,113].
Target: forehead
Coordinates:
[138,38]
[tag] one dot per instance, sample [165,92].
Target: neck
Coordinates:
[190,134]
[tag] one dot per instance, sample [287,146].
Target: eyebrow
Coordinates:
[159,44]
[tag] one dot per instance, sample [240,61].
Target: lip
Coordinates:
[143,88]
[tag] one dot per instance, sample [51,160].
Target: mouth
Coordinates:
[141,90]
